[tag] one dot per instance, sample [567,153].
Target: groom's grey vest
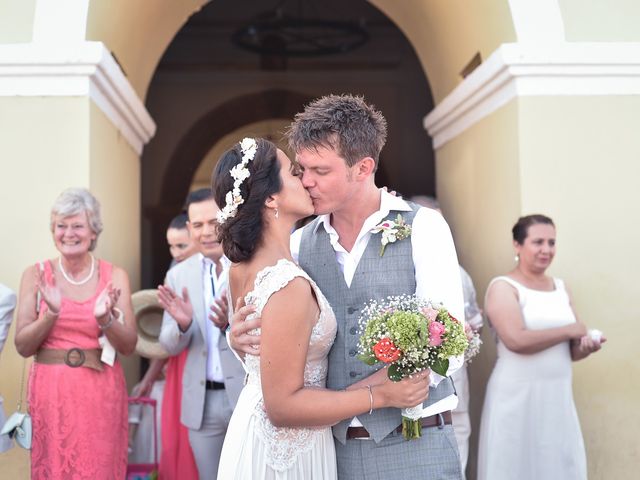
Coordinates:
[375,277]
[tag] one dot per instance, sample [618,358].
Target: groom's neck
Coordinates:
[348,220]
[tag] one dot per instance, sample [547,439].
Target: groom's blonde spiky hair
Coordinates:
[346,123]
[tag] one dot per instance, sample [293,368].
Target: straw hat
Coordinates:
[148,313]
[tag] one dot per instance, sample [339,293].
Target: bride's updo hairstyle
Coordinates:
[241,234]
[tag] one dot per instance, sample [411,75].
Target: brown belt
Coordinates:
[436,420]
[74,357]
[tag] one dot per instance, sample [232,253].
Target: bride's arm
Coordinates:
[287,321]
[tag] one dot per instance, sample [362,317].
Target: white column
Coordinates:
[537,21]
[60,21]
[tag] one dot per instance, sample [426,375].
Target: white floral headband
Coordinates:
[233,199]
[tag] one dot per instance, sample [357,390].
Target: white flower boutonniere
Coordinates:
[392,231]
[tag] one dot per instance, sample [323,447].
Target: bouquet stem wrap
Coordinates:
[411,424]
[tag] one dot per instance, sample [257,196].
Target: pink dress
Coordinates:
[79,414]
[176,461]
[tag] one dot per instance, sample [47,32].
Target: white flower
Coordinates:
[249,148]
[392,231]
[239,173]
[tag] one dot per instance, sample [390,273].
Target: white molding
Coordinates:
[516,70]
[77,69]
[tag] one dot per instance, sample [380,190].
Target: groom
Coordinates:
[337,141]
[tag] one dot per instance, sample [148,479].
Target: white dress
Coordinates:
[253,447]
[530,427]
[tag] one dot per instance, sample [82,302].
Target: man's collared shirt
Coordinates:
[213,285]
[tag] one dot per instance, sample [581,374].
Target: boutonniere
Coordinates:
[392,231]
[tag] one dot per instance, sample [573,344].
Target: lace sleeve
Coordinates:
[271,280]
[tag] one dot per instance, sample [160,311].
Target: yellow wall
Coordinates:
[601,20]
[56,143]
[575,159]
[579,163]
[138,32]
[447,34]
[478,184]
[43,151]
[115,180]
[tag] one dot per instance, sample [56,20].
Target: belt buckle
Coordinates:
[75,361]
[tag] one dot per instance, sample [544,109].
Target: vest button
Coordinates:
[353,330]
[353,374]
[352,352]
[351,310]
[201,382]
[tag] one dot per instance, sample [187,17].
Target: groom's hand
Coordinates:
[239,338]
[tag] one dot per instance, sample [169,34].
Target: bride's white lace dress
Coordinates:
[253,447]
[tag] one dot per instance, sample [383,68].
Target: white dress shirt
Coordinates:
[213,285]
[435,262]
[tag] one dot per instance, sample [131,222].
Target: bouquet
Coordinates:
[409,334]
[474,340]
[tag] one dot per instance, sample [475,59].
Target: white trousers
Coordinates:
[206,443]
[460,416]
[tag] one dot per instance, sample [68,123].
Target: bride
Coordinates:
[280,428]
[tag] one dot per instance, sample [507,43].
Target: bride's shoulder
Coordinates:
[280,274]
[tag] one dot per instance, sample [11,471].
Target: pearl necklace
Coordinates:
[77,282]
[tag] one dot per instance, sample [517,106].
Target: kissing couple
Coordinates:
[310,408]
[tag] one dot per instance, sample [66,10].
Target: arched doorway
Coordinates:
[206,87]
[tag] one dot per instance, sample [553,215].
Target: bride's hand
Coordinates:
[406,393]
[49,291]
[378,378]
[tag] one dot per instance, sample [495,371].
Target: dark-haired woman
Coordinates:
[529,427]
[280,428]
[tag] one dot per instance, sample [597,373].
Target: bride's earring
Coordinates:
[276,213]
[517,258]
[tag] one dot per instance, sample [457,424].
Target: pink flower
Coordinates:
[436,329]
[430,313]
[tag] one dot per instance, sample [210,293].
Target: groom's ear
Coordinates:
[365,168]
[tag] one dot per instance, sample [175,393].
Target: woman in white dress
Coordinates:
[280,427]
[529,427]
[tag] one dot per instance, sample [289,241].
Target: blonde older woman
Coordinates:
[74,312]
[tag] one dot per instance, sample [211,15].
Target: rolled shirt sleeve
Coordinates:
[437,270]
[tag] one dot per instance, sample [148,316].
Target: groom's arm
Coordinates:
[237,335]
[437,270]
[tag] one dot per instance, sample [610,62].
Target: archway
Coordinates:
[205,88]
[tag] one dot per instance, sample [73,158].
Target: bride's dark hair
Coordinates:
[241,234]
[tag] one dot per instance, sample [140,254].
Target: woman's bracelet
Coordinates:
[370,399]
[104,326]
[118,316]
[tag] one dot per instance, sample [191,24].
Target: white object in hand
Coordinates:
[596,335]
